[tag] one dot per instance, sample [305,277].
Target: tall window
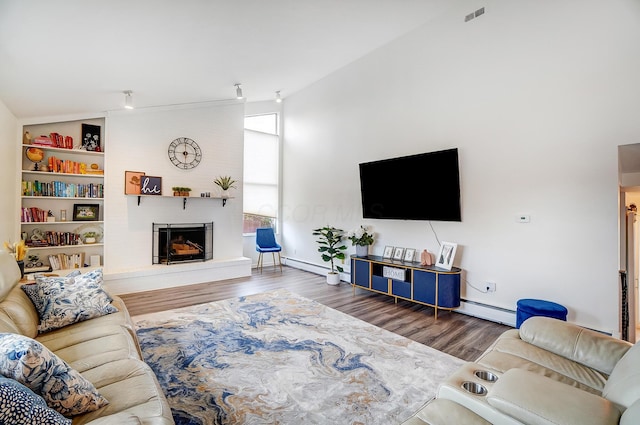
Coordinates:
[260,187]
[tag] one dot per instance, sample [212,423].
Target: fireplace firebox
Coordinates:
[182,242]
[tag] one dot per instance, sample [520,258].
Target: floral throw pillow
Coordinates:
[32,364]
[62,301]
[20,405]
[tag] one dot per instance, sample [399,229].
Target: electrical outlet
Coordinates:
[490,287]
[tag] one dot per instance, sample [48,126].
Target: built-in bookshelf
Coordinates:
[62,193]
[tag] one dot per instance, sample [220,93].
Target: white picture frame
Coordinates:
[398,251]
[388,252]
[409,255]
[447,254]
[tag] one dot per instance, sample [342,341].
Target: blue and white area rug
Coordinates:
[279,358]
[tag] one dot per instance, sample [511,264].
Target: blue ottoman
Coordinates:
[530,307]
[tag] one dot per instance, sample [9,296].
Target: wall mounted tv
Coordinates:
[417,187]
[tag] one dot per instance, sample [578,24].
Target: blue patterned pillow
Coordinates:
[20,405]
[35,366]
[62,301]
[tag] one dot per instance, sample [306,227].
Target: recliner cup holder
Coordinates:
[474,388]
[485,375]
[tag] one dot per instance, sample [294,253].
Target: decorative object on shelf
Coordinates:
[90,231]
[181,191]
[446,255]
[388,252]
[225,183]
[425,258]
[50,217]
[86,212]
[184,153]
[409,255]
[397,253]
[35,155]
[331,248]
[89,237]
[361,239]
[132,182]
[91,137]
[63,215]
[151,185]
[26,138]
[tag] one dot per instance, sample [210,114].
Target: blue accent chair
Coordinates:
[266,242]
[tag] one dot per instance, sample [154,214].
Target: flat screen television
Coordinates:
[425,186]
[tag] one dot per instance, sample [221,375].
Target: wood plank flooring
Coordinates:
[460,335]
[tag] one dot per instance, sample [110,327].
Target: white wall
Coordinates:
[8,170]
[536,95]
[138,141]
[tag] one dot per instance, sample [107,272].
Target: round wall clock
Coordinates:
[185,153]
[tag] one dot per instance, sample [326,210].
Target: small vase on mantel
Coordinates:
[362,250]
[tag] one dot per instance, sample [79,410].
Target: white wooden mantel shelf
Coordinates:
[184,198]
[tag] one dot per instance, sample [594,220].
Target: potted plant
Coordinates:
[331,248]
[90,237]
[361,239]
[181,191]
[225,183]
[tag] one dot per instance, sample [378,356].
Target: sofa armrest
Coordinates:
[590,348]
[536,399]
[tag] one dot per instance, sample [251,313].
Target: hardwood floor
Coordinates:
[460,335]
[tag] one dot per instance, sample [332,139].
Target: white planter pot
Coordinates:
[362,250]
[333,278]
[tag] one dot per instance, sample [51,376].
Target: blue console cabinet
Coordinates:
[429,285]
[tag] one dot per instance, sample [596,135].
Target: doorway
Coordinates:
[629,178]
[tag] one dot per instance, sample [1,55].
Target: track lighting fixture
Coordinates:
[239,92]
[278,97]
[128,99]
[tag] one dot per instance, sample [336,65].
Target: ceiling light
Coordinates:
[239,92]
[278,97]
[128,99]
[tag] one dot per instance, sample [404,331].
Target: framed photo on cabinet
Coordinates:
[446,255]
[397,253]
[409,254]
[388,252]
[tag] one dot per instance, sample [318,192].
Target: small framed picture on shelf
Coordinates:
[91,137]
[388,252]
[86,212]
[409,254]
[446,255]
[151,185]
[397,253]
[132,182]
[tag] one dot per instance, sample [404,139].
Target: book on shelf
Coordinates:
[58,189]
[55,239]
[39,269]
[66,261]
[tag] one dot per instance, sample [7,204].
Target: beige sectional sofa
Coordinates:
[104,350]
[547,372]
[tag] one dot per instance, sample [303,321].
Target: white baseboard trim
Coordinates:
[161,276]
[313,268]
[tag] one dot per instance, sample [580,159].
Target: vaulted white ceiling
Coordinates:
[77,56]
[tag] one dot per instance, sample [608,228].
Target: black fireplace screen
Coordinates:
[182,242]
